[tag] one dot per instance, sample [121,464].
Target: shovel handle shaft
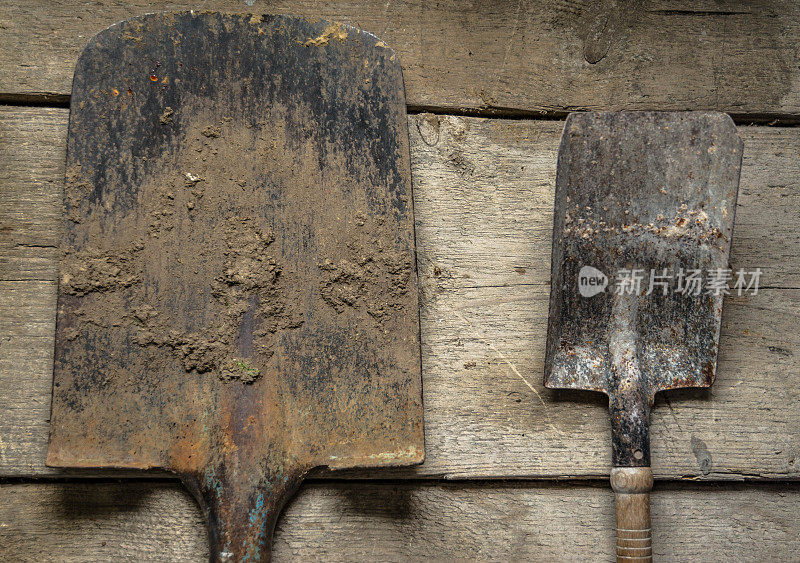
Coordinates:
[632,486]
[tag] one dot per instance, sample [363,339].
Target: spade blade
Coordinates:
[238,297]
[640,195]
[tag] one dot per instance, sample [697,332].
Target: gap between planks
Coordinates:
[60,101]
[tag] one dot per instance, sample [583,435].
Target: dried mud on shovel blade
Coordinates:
[237,294]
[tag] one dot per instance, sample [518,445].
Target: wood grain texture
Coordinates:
[551,56]
[483,205]
[402,522]
[32,151]
[632,487]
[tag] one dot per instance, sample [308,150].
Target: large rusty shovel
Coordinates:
[237,296]
[644,214]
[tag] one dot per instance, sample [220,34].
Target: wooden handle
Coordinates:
[632,486]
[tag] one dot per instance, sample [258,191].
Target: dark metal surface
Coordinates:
[238,296]
[647,191]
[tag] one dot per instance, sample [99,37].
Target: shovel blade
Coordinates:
[648,196]
[238,299]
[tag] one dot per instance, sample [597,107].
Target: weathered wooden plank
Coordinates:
[483,192]
[549,56]
[483,419]
[482,348]
[32,152]
[27,325]
[484,200]
[391,522]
